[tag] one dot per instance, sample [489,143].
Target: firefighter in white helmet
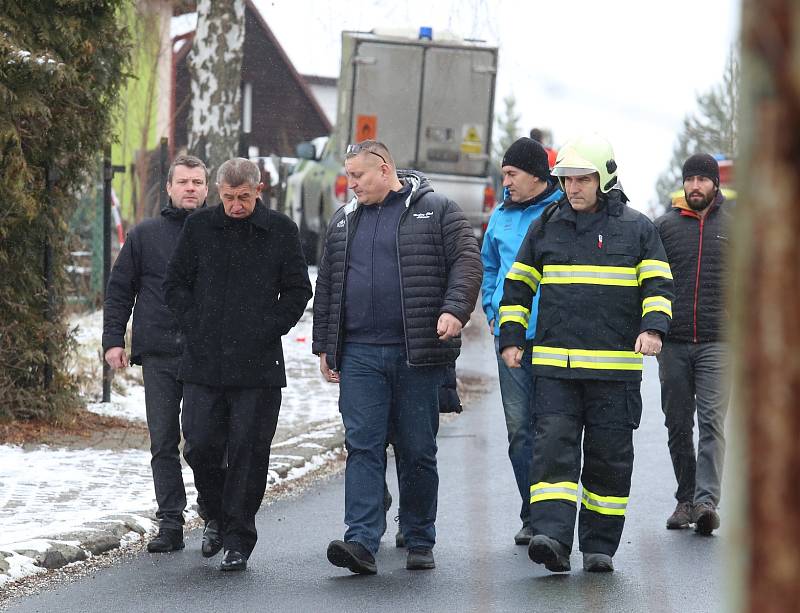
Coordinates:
[605,302]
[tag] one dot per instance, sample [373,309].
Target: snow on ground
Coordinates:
[47,491]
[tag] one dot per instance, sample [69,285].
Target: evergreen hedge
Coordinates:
[62,63]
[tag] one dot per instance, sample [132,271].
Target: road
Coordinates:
[479,569]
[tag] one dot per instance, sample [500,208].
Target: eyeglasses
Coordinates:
[358,148]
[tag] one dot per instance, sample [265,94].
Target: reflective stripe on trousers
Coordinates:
[564,490]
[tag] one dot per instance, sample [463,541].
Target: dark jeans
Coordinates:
[516,390]
[377,388]
[241,421]
[694,378]
[162,398]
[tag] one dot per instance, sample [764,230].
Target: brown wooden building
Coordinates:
[284,110]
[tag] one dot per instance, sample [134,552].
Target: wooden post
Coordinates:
[766,304]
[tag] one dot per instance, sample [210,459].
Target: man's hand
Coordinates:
[491,327]
[512,356]
[331,376]
[648,343]
[116,358]
[448,327]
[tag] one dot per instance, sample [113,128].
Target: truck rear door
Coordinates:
[455,118]
[386,97]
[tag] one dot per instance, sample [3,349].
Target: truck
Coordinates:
[429,98]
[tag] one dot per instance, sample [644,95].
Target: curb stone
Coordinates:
[98,537]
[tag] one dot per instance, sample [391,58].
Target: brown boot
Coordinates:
[705,517]
[681,517]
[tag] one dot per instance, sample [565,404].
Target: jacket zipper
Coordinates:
[339,335]
[697,280]
[400,273]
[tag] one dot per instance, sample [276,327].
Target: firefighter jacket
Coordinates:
[603,278]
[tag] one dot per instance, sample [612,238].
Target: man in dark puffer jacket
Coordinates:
[398,279]
[693,361]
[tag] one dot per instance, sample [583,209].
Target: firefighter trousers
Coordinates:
[604,414]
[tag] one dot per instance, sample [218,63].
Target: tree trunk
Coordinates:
[215,65]
[767,335]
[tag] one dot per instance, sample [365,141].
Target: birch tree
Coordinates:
[215,66]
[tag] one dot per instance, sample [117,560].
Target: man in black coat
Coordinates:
[693,366]
[398,279]
[237,282]
[136,278]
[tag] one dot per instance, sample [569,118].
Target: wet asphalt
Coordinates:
[479,569]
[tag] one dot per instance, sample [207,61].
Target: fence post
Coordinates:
[108,176]
[163,167]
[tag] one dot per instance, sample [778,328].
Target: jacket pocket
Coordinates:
[633,397]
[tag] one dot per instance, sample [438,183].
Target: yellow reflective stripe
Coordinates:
[605,505]
[586,358]
[516,313]
[527,274]
[550,356]
[591,275]
[656,303]
[605,360]
[647,269]
[563,490]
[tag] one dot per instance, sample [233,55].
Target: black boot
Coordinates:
[167,539]
[212,539]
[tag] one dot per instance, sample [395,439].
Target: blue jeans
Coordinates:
[516,390]
[378,387]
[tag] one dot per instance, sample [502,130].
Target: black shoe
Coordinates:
[233,560]
[420,558]
[550,552]
[166,540]
[523,537]
[353,556]
[597,563]
[706,518]
[212,539]
[399,539]
[681,517]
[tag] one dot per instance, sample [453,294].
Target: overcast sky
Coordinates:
[628,69]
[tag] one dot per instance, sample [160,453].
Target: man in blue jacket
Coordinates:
[529,189]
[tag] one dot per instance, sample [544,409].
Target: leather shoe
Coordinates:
[353,556]
[550,552]
[597,563]
[212,539]
[681,517]
[705,517]
[523,537]
[233,560]
[420,558]
[166,540]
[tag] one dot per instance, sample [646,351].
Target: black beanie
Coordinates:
[528,155]
[701,165]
